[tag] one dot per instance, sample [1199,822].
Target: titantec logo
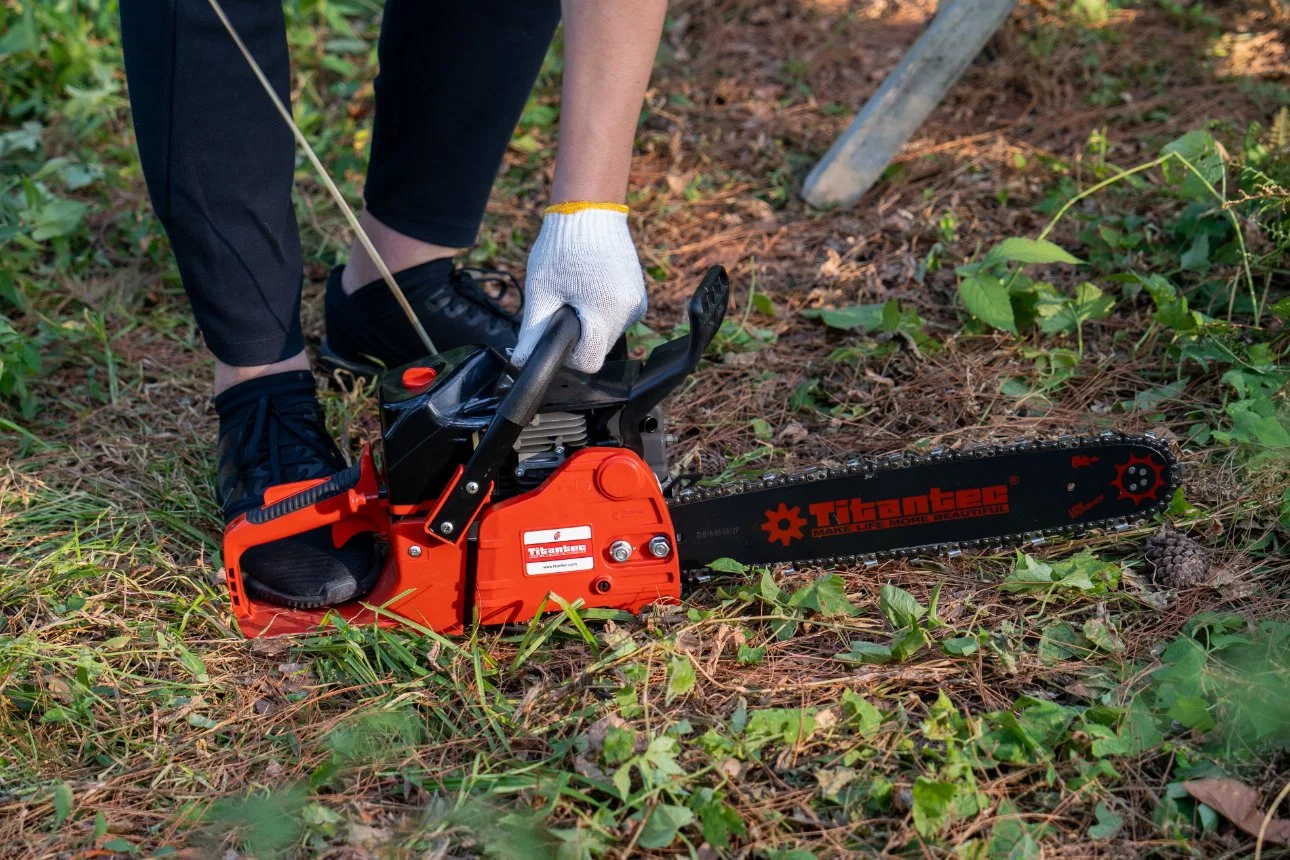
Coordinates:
[846,516]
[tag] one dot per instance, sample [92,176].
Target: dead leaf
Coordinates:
[793,433]
[1239,804]
[269,646]
[596,731]
[366,838]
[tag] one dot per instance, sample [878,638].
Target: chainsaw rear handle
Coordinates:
[471,486]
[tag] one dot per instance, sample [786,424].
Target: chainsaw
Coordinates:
[501,489]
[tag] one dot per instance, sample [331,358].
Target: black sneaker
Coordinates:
[271,431]
[367,331]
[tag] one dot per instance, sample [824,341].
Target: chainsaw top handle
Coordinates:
[563,330]
[471,486]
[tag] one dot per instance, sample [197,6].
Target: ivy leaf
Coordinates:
[862,317]
[790,725]
[716,818]
[1196,257]
[961,646]
[827,596]
[1028,574]
[1100,634]
[664,822]
[727,565]
[1201,151]
[933,803]
[62,804]
[858,710]
[1192,712]
[620,743]
[908,643]
[1059,641]
[987,299]
[1021,250]
[865,652]
[900,607]
[680,678]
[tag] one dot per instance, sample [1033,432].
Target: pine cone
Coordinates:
[1175,560]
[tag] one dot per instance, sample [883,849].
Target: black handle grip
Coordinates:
[562,332]
[514,413]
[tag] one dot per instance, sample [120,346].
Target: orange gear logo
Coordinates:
[784,524]
[1139,479]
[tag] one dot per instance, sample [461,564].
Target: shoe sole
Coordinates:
[337,593]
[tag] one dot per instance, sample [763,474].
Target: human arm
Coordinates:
[584,255]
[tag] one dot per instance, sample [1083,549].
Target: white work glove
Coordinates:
[584,256]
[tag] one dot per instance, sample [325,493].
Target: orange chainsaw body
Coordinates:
[554,540]
[501,488]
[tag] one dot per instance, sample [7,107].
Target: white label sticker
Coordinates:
[566,565]
[558,550]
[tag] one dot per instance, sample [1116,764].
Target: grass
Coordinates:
[929,707]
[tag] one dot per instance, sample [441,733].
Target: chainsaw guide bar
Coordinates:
[940,503]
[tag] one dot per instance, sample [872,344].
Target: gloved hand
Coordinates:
[584,256]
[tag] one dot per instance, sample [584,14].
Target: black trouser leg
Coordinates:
[218,161]
[454,78]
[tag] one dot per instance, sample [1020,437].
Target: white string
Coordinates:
[327,181]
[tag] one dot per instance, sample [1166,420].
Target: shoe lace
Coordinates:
[466,282]
[283,441]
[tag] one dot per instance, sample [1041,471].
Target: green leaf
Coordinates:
[1152,398]
[899,606]
[1020,250]
[858,710]
[908,643]
[57,714]
[1200,150]
[1196,257]
[620,744]
[985,298]
[1084,572]
[123,846]
[863,317]
[1059,641]
[55,218]
[622,780]
[716,818]
[1100,634]
[790,725]
[63,802]
[680,678]
[961,646]
[1257,422]
[1192,712]
[1028,574]
[763,304]
[664,821]
[826,595]
[750,656]
[22,36]
[727,565]
[866,652]
[933,804]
